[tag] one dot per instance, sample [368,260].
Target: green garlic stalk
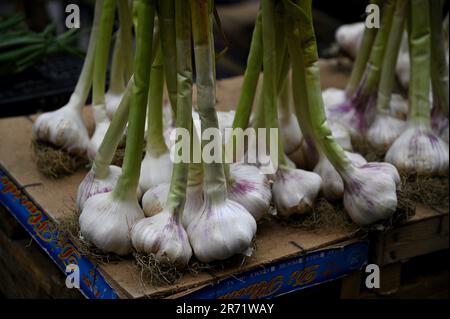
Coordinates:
[163,235]
[106,219]
[369,190]
[418,148]
[166,16]
[386,128]
[358,112]
[102,49]
[223,227]
[122,59]
[362,58]
[128,181]
[156,167]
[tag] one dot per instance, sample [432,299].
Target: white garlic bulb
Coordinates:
[154,201]
[399,106]
[294,191]
[112,101]
[225,119]
[341,135]
[305,156]
[420,150]
[164,236]
[371,192]
[251,189]
[290,133]
[221,230]
[155,170]
[106,222]
[168,119]
[403,69]
[63,128]
[333,96]
[349,36]
[92,185]
[384,131]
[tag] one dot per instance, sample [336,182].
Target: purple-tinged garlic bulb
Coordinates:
[332,184]
[164,236]
[371,192]
[420,150]
[355,115]
[384,130]
[92,185]
[250,188]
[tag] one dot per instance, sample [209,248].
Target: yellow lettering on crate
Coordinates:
[257,290]
[304,276]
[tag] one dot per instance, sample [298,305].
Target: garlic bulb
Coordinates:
[155,170]
[168,120]
[332,184]
[164,236]
[251,189]
[294,191]
[403,69]
[419,149]
[112,101]
[370,192]
[305,156]
[399,106]
[439,123]
[384,131]
[349,36]
[355,115]
[221,230]
[154,201]
[101,126]
[92,185]
[290,133]
[333,96]
[63,128]
[106,222]
[341,135]
[225,120]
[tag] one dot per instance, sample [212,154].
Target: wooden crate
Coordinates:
[401,248]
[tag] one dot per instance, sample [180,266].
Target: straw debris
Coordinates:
[56,162]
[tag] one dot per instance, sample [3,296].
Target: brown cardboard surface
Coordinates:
[274,241]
